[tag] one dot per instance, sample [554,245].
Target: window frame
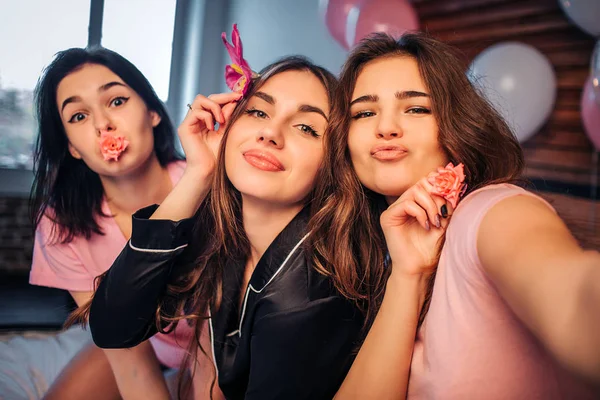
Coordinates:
[18,182]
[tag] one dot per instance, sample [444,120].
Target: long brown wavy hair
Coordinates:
[346,235]
[218,235]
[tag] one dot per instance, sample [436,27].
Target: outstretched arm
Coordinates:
[547,279]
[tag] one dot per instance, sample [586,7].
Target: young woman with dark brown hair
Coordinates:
[514,307]
[105,148]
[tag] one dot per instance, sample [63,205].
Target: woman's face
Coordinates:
[274,150]
[92,100]
[393,137]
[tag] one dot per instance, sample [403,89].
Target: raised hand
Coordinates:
[413,227]
[199,139]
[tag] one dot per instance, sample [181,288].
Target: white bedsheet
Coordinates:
[28,365]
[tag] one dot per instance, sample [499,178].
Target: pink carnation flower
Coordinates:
[111,146]
[448,182]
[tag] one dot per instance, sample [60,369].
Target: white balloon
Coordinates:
[584,13]
[520,83]
[595,72]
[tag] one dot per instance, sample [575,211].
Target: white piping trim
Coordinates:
[157,250]
[212,343]
[270,280]
[233,333]
[243,311]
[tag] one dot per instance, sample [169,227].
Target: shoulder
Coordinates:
[488,196]
[176,169]
[493,204]
[473,208]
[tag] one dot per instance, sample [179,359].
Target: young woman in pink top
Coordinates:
[515,307]
[106,147]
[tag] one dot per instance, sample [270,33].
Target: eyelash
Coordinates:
[363,114]
[308,129]
[420,110]
[123,98]
[414,110]
[255,113]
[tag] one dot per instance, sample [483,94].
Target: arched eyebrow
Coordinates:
[303,108]
[373,98]
[102,88]
[410,94]
[306,108]
[266,97]
[368,98]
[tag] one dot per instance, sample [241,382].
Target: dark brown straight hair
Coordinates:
[346,234]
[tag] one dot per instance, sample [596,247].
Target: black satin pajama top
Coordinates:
[292,337]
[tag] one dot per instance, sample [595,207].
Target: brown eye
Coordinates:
[419,110]
[77,118]
[256,113]
[363,114]
[119,101]
[309,130]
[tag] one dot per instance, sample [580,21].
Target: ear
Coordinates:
[74,152]
[155,118]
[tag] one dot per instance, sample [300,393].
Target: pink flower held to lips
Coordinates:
[111,146]
[238,74]
[448,182]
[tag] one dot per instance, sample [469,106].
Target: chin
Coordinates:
[126,164]
[266,192]
[389,186]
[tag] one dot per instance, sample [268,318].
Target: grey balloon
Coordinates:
[584,13]
[520,83]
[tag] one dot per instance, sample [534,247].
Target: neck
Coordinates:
[148,184]
[263,222]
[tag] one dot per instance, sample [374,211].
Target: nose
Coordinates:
[271,135]
[103,123]
[389,127]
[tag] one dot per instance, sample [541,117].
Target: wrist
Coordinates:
[416,283]
[199,173]
[196,182]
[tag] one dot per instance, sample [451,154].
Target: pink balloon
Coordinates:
[390,16]
[590,114]
[336,15]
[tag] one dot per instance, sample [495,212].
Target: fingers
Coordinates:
[207,104]
[224,98]
[428,209]
[445,208]
[198,119]
[447,211]
[220,105]
[418,212]
[227,111]
[430,204]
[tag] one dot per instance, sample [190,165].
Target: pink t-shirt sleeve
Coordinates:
[56,264]
[469,215]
